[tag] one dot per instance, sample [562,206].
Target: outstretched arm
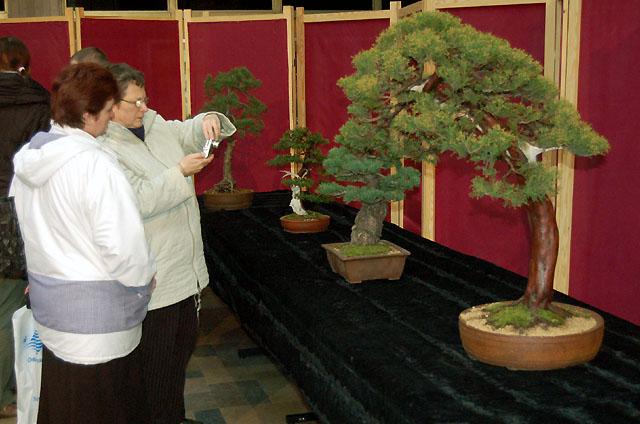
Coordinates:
[193,133]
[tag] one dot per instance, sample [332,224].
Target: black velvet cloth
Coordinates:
[389,351]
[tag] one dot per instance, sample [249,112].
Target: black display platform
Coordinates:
[389,351]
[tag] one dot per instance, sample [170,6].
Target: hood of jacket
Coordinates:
[47,152]
[18,90]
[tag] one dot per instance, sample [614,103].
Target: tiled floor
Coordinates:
[222,387]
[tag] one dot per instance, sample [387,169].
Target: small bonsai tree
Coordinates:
[230,93]
[302,148]
[431,81]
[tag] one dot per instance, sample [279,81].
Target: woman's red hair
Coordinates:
[85,87]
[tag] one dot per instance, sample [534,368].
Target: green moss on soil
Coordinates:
[517,314]
[365,250]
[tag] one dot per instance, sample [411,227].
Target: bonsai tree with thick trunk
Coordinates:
[230,93]
[431,84]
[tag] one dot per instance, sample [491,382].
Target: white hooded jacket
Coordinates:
[88,261]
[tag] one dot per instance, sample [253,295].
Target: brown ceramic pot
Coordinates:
[239,199]
[355,269]
[309,225]
[533,352]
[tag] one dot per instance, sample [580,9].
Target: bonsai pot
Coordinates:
[316,224]
[239,199]
[356,269]
[575,342]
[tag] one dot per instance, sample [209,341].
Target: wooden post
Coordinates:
[289,15]
[300,73]
[569,90]
[184,63]
[172,7]
[397,207]
[185,59]
[71,27]
[77,20]
[552,27]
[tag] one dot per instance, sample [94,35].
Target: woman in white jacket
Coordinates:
[159,158]
[89,266]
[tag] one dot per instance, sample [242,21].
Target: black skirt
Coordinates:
[12,261]
[108,393]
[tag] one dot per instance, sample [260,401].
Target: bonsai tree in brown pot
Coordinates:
[470,93]
[300,150]
[231,93]
[367,162]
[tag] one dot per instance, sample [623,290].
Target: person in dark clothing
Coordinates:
[24,110]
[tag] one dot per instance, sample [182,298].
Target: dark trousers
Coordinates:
[108,393]
[169,337]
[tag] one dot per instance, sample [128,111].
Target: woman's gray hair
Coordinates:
[125,75]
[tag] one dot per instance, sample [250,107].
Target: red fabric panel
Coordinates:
[606,229]
[484,227]
[479,227]
[413,204]
[48,44]
[521,25]
[153,47]
[261,46]
[329,47]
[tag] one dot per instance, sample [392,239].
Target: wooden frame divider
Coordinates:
[168,15]
[67,17]
[570,58]
[287,14]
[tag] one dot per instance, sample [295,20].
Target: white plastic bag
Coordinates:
[28,365]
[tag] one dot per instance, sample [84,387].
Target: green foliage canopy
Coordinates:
[431,85]
[302,147]
[230,93]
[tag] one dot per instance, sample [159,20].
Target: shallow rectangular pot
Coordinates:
[356,269]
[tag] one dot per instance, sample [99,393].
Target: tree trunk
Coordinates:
[368,223]
[543,253]
[227,184]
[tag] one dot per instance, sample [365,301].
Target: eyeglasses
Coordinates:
[139,103]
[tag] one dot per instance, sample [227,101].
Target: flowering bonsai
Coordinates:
[230,93]
[430,85]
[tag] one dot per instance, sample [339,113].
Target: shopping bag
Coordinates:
[28,365]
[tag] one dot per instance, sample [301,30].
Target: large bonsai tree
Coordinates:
[430,83]
[230,93]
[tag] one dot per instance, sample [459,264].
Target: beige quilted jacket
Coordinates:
[166,199]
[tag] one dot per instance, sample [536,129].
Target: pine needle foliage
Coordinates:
[231,93]
[430,85]
[303,148]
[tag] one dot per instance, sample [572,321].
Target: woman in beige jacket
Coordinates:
[159,158]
